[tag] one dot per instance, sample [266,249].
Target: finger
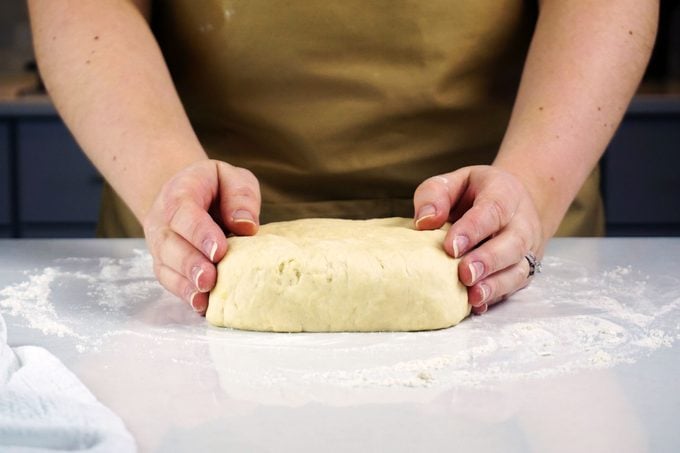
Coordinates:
[480,310]
[461,207]
[182,205]
[240,199]
[177,254]
[502,251]
[193,223]
[496,287]
[484,307]
[431,203]
[489,214]
[181,287]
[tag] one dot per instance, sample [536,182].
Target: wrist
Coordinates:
[143,184]
[551,200]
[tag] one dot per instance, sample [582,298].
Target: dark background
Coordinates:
[49,189]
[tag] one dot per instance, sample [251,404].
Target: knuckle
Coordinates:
[177,193]
[435,182]
[499,213]
[492,263]
[421,191]
[247,175]
[243,192]
[177,188]
[475,225]
[170,204]
[185,224]
[432,187]
[156,238]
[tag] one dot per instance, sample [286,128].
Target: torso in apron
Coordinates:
[342,108]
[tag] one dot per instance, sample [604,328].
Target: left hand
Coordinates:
[495,224]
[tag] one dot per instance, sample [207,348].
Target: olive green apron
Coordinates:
[342,108]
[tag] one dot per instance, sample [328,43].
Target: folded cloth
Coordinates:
[44,407]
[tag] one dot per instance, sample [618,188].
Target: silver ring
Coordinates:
[535,266]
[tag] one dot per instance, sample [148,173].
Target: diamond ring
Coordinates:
[535,265]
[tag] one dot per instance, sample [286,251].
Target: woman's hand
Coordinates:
[185,227]
[566,111]
[495,225]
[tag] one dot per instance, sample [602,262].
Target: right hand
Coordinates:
[185,227]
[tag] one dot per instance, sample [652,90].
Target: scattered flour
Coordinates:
[111,283]
[565,322]
[118,281]
[568,320]
[31,300]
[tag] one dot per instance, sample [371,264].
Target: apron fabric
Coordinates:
[342,109]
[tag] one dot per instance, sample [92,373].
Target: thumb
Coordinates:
[239,199]
[433,199]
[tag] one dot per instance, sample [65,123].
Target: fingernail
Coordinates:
[484,289]
[210,248]
[192,300]
[482,309]
[196,273]
[425,212]
[460,244]
[476,270]
[242,216]
[195,305]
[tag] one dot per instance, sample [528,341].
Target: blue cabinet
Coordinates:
[48,188]
[641,171]
[59,188]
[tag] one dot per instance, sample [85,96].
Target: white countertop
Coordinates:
[586,359]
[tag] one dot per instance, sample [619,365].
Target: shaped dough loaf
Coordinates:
[332,275]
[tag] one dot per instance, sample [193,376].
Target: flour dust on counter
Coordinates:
[31,300]
[95,285]
[569,319]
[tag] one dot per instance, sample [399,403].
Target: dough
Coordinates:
[332,275]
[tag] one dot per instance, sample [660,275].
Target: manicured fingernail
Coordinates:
[425,212]
[192,300]
[198,304]
[210,248]
[482,309]
[196,273]
[484,289]
[476,270]
[242,216]
[460,244]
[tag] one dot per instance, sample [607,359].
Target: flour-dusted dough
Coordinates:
[332,275]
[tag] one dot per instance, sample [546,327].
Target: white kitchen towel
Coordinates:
[44,407]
